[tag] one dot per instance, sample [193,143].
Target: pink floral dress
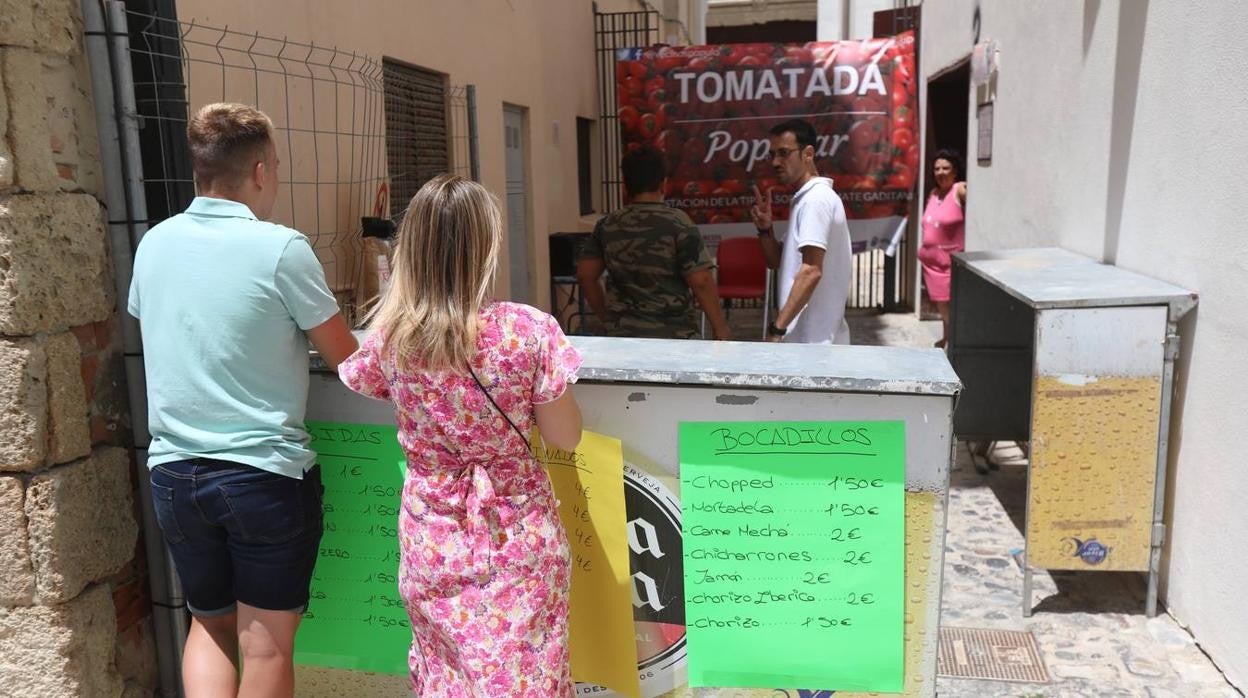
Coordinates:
[484,570]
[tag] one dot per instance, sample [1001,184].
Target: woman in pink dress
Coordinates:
[484,570]
[944,232]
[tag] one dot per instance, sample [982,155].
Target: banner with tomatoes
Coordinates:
[709,109]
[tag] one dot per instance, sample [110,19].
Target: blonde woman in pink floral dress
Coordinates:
[484,569]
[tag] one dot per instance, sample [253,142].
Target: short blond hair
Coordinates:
[227,139]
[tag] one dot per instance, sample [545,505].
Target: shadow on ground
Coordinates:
[1086,592]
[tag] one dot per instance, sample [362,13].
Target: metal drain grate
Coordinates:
[999,655]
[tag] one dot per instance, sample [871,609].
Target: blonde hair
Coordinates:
[227,140]
[444,267]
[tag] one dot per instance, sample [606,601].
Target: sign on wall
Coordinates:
[709,109]
[794,553]
[356,618]
[589,484]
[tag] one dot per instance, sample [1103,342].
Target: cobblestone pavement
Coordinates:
[1091,629]
[893,329]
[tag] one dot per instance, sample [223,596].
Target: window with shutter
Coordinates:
[417,143]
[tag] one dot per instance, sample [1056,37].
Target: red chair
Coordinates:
[743,273]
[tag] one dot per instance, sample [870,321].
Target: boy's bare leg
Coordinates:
[210,660]
[267,642]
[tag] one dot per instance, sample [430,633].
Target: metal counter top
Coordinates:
[858,369]
[1051,277]
[824,368]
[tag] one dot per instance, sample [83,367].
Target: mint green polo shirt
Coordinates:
[223,300]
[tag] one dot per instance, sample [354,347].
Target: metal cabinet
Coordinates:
[1077,358]
[639,390]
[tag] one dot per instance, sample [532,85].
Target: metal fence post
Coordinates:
[107,49]
[474,154]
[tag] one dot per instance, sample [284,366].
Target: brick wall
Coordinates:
[74,609]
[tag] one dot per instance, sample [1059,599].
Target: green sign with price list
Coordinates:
[794,544]
[355,618]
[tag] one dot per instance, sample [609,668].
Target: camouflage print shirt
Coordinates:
[648,249]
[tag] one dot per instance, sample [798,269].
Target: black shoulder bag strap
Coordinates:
[495,404]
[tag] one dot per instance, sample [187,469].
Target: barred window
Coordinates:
[417,142]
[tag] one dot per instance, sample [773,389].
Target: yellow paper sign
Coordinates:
[589,484]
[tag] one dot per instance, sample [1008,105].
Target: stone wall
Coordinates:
[74,609]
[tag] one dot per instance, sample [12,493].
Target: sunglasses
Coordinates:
[782,153]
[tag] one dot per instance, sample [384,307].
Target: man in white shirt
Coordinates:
[814,255]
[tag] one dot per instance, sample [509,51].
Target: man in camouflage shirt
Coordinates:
[656,263]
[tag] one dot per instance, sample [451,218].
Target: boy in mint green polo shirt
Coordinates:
[228,304]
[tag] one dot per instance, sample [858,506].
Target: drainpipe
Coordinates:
[1176,313]
[112,88]
[474,155]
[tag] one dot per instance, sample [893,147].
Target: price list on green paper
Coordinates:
[356,619]
[794,540]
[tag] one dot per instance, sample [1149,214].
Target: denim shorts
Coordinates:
[239,534]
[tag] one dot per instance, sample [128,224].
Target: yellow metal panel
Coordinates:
[1093,471]
[924,537]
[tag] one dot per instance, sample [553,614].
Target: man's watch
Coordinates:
[763,231]
[774,331]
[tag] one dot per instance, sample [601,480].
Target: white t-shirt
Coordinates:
[817,219]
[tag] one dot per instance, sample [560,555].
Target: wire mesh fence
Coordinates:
[329,108]
[461,104]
